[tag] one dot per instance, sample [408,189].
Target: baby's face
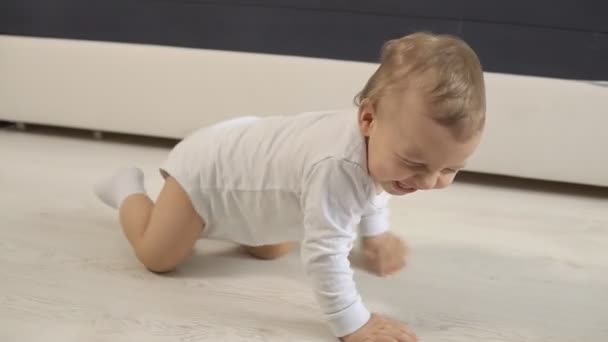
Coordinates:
[407,150]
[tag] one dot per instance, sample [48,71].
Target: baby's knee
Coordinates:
[156,262]
[269,252]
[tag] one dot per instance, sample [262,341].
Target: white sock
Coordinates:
[123,183]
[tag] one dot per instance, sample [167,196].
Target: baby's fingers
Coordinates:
[411,337]
[400,332]
[393,265]
[394,337]
[386,339]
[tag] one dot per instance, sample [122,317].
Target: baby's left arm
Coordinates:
[375,219]
[385,253]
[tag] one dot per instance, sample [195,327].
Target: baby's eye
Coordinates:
[410,164]
[449,171]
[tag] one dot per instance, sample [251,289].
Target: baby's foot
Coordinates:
[123,183]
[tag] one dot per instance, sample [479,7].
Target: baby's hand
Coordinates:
[384,254]
[379,329]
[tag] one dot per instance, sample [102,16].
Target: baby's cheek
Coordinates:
[385,171]
[379,171]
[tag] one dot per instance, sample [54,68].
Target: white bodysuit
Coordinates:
[259,181]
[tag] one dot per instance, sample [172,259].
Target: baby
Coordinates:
[313,178]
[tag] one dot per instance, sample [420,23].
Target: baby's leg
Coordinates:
[270,252]
[162,234]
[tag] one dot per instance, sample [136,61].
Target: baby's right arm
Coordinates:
[331,207]
[333,202]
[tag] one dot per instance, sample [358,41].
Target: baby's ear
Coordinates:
[367,106]
[367,116]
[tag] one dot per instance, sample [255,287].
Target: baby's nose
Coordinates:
[427,181]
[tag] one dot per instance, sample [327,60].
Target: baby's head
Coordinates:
[422,112]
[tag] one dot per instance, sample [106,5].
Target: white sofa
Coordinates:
[540,128]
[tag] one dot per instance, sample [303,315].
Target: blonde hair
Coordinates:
[447,71]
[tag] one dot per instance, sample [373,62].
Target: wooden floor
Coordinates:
[489,263]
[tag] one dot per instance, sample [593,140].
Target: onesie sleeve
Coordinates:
[375,219]
[333,200]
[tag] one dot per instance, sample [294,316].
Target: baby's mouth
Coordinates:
[406,189]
